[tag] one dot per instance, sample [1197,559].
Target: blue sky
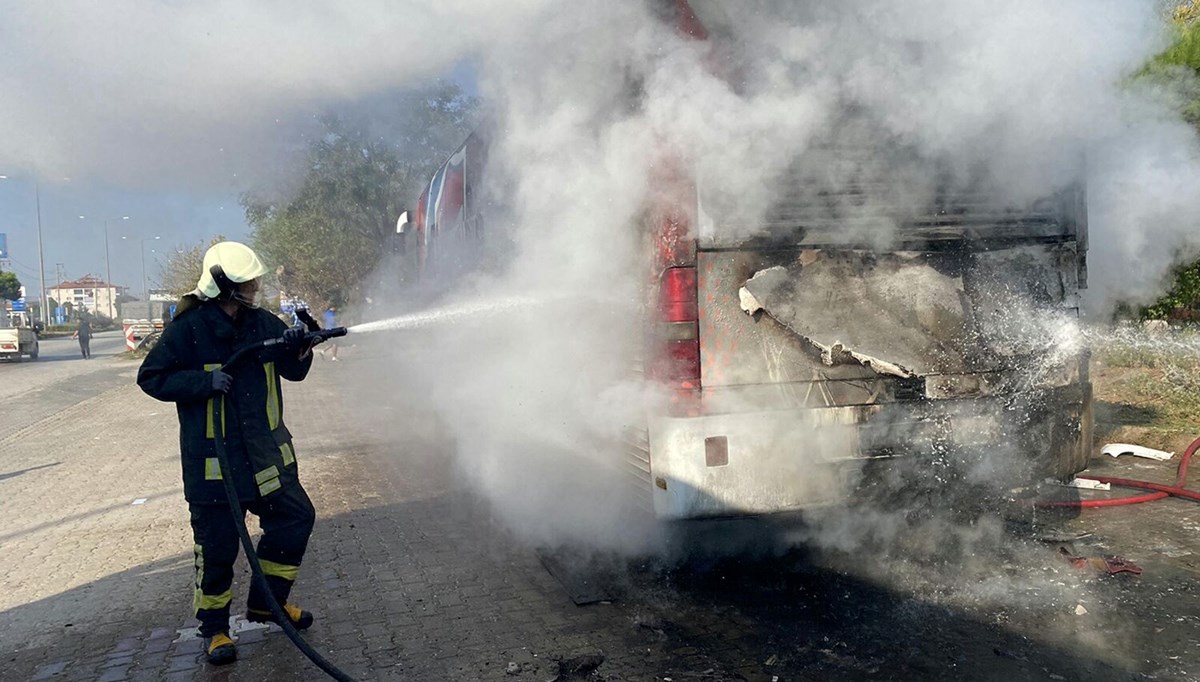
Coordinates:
[75,246]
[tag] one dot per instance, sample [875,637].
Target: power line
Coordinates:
[23,274]
[14,266]
[24,265]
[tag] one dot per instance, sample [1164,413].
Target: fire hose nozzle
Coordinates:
[325,334]
[312,338]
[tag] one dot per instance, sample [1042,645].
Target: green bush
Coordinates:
[1181,303]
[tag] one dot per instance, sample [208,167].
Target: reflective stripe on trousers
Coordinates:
[207,601]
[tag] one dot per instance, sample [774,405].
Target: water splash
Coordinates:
[1134,337]
[449,314]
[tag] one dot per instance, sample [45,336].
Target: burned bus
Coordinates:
[803,360]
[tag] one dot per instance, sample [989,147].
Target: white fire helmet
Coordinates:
[238,263]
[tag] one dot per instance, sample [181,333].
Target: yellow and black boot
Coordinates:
[301,619]
[219,649]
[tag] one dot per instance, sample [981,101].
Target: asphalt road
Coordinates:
[32,390]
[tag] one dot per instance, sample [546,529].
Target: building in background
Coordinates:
[88,293]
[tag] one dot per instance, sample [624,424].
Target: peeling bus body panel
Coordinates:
[916,315]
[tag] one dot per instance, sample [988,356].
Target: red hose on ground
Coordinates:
[1161,491]
[1167,490]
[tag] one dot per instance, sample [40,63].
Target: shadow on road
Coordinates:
[14,474]
[44,359]
[75,517]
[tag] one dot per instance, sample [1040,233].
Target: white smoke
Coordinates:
[158,94]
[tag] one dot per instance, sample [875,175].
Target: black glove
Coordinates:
[295,338]
[221,382]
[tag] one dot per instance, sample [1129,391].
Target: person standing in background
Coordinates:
[84,334]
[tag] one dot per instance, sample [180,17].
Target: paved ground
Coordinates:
[412,578]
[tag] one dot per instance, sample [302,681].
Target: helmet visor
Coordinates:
[247,293]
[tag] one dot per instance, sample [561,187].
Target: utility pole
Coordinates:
[145,289]
[109,290]
[112,290]
[59,277]
[37,194]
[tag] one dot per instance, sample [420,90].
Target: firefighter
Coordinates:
[219,316]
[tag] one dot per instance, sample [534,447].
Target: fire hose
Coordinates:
[1159,491]
[313,337]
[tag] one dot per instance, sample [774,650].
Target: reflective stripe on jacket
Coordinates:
[178,369]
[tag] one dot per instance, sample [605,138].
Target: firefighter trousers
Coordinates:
[286,518]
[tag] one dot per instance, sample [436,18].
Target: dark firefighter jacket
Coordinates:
[258,444]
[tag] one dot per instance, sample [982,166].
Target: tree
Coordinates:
[10,286]
[182,268]
[361,174]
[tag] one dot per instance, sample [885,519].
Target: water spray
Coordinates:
[1133,338]
[447,314]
